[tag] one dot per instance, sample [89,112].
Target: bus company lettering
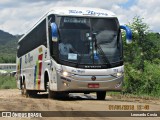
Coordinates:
[88,12]
[28,58]
[80,71]
[75,12]
[93,66]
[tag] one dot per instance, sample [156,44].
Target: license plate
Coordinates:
[91,85]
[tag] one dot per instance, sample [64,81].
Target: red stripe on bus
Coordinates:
[40,70]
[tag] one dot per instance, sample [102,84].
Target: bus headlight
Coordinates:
[65,74]
[118,74]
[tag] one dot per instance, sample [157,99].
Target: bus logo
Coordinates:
[93,78]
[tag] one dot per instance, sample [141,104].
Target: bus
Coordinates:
[72,50]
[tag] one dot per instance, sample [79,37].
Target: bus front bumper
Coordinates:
[71,85]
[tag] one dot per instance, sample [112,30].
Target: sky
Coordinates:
[18,16]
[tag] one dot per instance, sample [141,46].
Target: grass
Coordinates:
[7,82]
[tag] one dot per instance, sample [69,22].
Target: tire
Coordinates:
[50,93]
[24,92]
[56,94]
[101,95]
[32,93]
[61,95]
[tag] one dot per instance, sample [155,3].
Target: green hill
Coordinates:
[8,44]
[6,37]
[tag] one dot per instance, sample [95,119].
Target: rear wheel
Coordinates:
[24,92]
[101,95]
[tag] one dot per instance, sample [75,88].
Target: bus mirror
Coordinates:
[128,33]
[54,31]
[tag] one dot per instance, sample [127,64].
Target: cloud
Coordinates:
[150,11]
[91,3]
[18,16]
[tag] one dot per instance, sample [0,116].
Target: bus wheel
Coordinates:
[24,92]
[50,93]
[101,95]
[32,93]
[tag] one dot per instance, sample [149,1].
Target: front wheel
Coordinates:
[101,95]
[32,93]
[50,93]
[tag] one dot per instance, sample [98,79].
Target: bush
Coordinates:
[146,82]
[142,60]
[151,77]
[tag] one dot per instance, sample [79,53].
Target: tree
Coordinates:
[140,58]
[140,31]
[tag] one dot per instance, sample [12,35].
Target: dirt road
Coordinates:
[11,100]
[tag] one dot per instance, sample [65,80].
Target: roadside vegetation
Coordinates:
[7,82]
[142,61]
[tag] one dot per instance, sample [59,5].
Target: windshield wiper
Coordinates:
[105,59]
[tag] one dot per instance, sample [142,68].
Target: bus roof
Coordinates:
[81,11]
[74,11]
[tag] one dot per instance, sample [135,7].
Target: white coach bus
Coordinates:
[72,50]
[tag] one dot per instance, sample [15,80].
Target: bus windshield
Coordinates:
[89,40]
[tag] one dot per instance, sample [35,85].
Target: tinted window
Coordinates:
[34,39]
